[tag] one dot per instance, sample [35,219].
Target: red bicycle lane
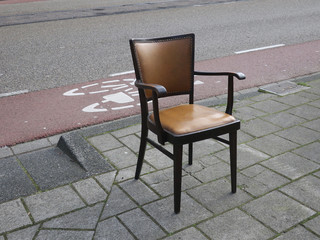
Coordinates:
[44,113]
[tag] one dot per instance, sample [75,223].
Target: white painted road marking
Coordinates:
[13,93]
[121,73]
[261,48]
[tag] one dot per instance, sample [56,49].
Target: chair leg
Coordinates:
[177,168]
[233,160]
[142,150]
[190,153]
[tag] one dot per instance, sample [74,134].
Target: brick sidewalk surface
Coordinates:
[278,194]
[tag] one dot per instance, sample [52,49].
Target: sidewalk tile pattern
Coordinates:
[278,194]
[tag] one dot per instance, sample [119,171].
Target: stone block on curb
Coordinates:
[78,149]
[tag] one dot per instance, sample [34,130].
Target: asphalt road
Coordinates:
[58,43]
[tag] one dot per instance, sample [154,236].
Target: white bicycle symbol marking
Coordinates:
[121,93]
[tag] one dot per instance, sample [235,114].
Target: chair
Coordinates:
[164,67]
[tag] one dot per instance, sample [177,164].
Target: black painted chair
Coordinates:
[164,67]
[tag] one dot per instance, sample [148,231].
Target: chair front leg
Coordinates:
[190,153]
[233,160]
[142,150]
[177,172]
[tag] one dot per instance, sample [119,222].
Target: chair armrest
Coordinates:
[230,75]
[238,75]
[161,91]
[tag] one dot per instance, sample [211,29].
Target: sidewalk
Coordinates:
[46,196]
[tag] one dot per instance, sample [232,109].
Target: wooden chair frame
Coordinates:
[159,91]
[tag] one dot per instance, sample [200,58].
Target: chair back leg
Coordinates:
[177,172]
[142,150]
[233,160]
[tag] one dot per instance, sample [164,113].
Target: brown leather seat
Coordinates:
[190,118]
[164,67]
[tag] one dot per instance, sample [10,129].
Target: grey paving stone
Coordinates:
[247,113]
[86,218]
[64,234]
[132,142]
[90,191]
[127,131]
[299,135]
[278,211]
[213,172]
[31,146]
[141,225]
[292,99]
[157,159]
[121,157]
[298,233]
[139,191]
[258,180]
[246,156]
[284,119]
[243,137]
[25,234]
[235,224]
[272,145]
[14,182]
[305,190]
[5,152]
[317,173]
[259,128]
[163,212]
[307,94]
[270,106]
[311,151]
[51,168]
[205,161]
[262,97]
[105,142]
[112,229]
[118,202]
[107,179]
[13,215]
[306,111]
[314,125]
[315,103]
[314,224]
[52,203]
[129,173]
[204,148]
[188,234]
[2,238]
[164,184]
[217,196]
[291,165]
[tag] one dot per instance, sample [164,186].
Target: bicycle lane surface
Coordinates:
[34,115]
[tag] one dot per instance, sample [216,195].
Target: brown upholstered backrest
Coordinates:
[165,61]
